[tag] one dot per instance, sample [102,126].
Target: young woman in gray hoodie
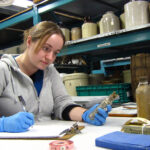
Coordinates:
[31,88]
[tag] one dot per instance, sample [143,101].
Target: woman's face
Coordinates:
[47,54]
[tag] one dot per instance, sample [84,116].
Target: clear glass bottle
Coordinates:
[143,98]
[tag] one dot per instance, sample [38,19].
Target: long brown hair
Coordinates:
[42,31]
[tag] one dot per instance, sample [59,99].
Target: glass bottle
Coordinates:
[143,98]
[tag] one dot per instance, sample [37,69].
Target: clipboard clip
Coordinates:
[74,129]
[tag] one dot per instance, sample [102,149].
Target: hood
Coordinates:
[10,61]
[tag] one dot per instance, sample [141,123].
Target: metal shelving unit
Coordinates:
[122,43]
[14,25]
[104,64]
[33,12]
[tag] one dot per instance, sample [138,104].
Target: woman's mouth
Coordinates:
[45,63]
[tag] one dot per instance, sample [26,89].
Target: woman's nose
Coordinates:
[50,56]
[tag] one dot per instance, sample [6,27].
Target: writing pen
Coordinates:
[21,99]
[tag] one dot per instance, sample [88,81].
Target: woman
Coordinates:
[30,81]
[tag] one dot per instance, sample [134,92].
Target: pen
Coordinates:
[21,99]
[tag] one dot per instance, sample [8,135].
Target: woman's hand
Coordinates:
[19,122]
[100,116]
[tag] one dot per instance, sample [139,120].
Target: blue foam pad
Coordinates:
[124,141]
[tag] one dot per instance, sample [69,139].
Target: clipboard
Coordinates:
[68,136]
[21,136]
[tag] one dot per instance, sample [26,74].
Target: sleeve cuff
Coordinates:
[65,114]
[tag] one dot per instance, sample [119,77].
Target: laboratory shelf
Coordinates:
[112,45]
[32,12]
[15,25]
[104,64]
[121,43]
[70,68]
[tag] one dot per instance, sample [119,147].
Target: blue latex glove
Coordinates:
[100,117]
[19,122]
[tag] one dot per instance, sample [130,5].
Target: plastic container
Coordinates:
[123,89]
[75,79]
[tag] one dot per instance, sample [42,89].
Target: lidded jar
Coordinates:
[136,13]
[143,98]
[109,23]
[75,33]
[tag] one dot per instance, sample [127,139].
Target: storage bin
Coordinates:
[123,89]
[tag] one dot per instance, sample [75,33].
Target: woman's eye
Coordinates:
[46,48]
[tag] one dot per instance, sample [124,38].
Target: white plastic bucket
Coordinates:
[75,79]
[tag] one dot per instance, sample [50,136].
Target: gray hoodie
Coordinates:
[13,83]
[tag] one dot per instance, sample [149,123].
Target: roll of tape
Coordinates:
[61,145]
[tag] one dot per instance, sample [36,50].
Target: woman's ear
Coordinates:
[29,41]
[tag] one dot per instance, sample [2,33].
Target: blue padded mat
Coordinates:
[124,141]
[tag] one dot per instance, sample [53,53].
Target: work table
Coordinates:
[82,141]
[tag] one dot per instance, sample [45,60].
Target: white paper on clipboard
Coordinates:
[37,132]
